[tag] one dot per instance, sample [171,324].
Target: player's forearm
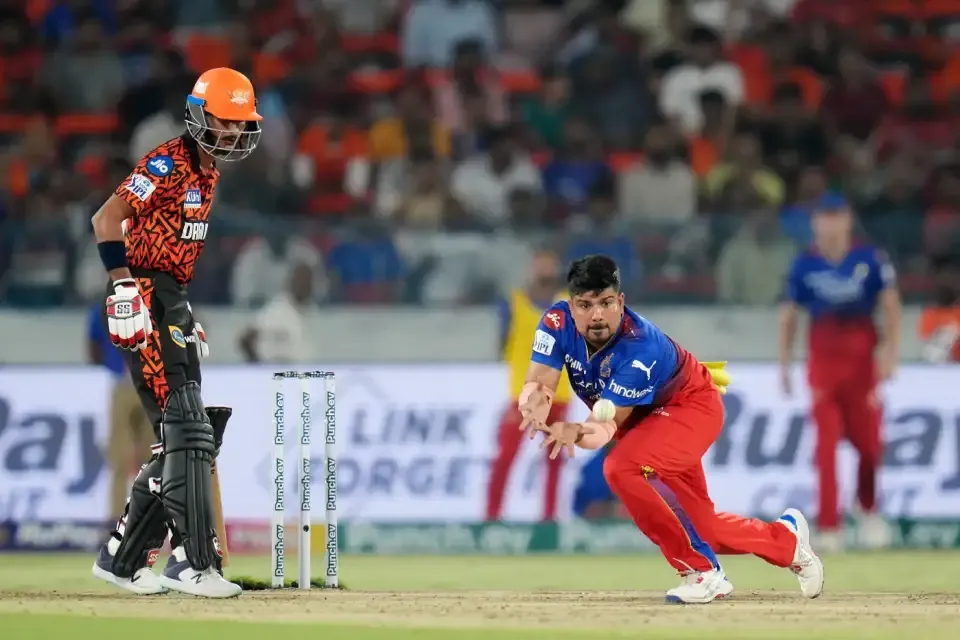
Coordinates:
[602,433]
[788,333]
[892,325]
[108,230]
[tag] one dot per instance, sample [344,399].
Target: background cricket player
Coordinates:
[840,285]
[665,414]
[520,314]
[150,234]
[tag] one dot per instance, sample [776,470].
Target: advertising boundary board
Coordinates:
[417,442]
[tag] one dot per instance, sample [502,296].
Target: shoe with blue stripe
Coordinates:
[806,564]
[700,587]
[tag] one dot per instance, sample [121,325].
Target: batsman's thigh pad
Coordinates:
[187,493]
[144,521]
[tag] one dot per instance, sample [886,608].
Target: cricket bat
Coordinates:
[218,515]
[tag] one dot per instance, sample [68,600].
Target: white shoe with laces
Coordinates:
[208,583]
[806,565]
[700,587]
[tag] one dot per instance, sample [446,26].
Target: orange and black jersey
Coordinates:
[171,196]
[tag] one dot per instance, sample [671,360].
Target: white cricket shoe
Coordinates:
[180,576]
[701,587]
[143,583]
[873,532]
[806,565]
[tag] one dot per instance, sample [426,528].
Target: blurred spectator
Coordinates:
[707,145]
[433,28]
[391,137]
[263,266]
[423,199]
[743,178]
[282,332]
[364,16]
[210,13]
[468,77]
[795,218]
[83,74]
[792,138]
[20,60]
[611,94]
[39,254]
[483,183]
[326,148]
[65,17]
[601,232]
[32,160]
[775,66]
[545,112]
[918,123]
[166,82]
[940,323]
[893,218]
[662,188]
[366,267]
[531,30]
[941,226]
[855,103]
[753,265]
[705,69]
[576,168]
[163,125]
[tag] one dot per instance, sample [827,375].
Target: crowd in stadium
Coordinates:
[416,151]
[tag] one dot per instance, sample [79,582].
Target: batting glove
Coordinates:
[128,318]
[201,339]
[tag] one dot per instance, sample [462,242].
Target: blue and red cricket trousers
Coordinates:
[656,470]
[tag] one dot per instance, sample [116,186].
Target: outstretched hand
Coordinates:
[530,411]
[563,435]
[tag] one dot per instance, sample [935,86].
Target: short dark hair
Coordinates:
[593,274]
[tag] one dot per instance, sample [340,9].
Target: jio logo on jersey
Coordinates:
[194,231]
[193,199]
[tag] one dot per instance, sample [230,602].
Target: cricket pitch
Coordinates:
[518,598]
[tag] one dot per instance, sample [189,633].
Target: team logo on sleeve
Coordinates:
[140,186]
[543,342]
[554,320]
[176,334]
[161,166]
[193,199]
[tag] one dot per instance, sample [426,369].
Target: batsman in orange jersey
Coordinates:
[150,233]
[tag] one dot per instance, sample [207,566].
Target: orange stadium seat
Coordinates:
[268,68]
[370,43]
[893,83]
[622,160]
[204,52]
[376,82]
[520,81]
[329,203]
[86,124]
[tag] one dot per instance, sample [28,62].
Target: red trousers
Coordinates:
[656,471]
[845,406]
[509,441]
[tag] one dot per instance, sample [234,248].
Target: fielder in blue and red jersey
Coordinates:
[841,285]
[664,412]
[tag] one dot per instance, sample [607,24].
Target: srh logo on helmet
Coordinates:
[239,96]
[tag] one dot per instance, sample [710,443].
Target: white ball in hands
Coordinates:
[604,410]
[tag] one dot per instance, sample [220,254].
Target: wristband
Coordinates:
[113,254]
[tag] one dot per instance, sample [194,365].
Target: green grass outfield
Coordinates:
[876,596]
